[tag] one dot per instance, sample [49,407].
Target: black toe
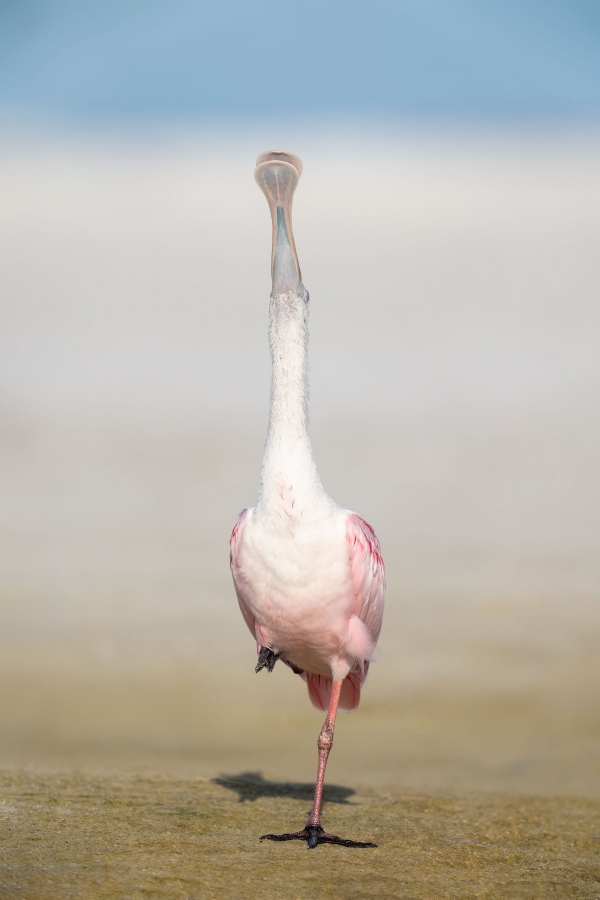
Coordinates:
[314,835]
[266,659]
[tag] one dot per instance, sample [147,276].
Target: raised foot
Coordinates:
[266,659]
[313,835]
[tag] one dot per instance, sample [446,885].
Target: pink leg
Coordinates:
[312,833]
[325,744]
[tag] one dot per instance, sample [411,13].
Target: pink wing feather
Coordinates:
[368,582]
[368,573]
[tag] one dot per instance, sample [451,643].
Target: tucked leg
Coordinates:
[295,669]
[312,833]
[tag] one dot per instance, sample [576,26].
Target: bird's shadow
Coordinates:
[249,786]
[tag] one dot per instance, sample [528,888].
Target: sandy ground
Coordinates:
[455,380]
[74,836]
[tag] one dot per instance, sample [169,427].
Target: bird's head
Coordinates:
[277,174]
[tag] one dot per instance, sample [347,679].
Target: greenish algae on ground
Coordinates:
[72,835]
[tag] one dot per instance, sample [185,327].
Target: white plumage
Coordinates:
[309,576]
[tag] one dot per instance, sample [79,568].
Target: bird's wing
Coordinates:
[368,573]
[238,578]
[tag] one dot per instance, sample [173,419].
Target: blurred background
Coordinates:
[448,225]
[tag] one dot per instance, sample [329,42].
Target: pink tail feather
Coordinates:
[319,689]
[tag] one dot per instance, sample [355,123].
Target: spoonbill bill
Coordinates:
[308,575]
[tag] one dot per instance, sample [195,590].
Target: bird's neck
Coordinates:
[290,486]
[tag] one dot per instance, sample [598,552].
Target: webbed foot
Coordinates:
[314,835]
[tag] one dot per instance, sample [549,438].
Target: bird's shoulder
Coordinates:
[238,530]
[361,536]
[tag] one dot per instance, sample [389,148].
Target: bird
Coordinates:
[308,574]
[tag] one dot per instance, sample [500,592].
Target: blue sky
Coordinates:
[196,60]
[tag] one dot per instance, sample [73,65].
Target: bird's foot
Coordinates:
[266,659]
[313,835]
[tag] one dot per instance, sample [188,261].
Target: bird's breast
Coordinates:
[297,584]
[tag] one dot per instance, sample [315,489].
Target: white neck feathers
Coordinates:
[290,484]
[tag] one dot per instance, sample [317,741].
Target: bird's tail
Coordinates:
[319,688]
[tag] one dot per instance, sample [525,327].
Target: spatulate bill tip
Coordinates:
[278,181]
[281,156]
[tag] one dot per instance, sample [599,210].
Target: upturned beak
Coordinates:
[277,175]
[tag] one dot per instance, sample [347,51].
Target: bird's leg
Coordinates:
[295,669]
[324,744]
[312,832]
[266,659]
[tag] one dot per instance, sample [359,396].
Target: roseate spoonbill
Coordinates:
[308,575]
